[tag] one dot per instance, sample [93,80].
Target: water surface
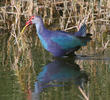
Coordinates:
[58,79]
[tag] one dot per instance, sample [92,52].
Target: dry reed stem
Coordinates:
[83,93]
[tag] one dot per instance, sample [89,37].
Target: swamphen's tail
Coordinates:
[84,37]
[81,32]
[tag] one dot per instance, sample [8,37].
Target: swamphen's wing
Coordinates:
[66,41]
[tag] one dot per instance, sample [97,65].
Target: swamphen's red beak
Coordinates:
[29,22]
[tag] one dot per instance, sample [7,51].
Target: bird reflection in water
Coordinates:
[60,73]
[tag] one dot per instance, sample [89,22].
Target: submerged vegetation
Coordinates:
[20,52]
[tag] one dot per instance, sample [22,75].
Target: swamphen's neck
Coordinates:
[40,27]
[41,30]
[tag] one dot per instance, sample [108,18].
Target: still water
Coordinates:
[81,78]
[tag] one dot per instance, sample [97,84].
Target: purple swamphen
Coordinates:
[59,43]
